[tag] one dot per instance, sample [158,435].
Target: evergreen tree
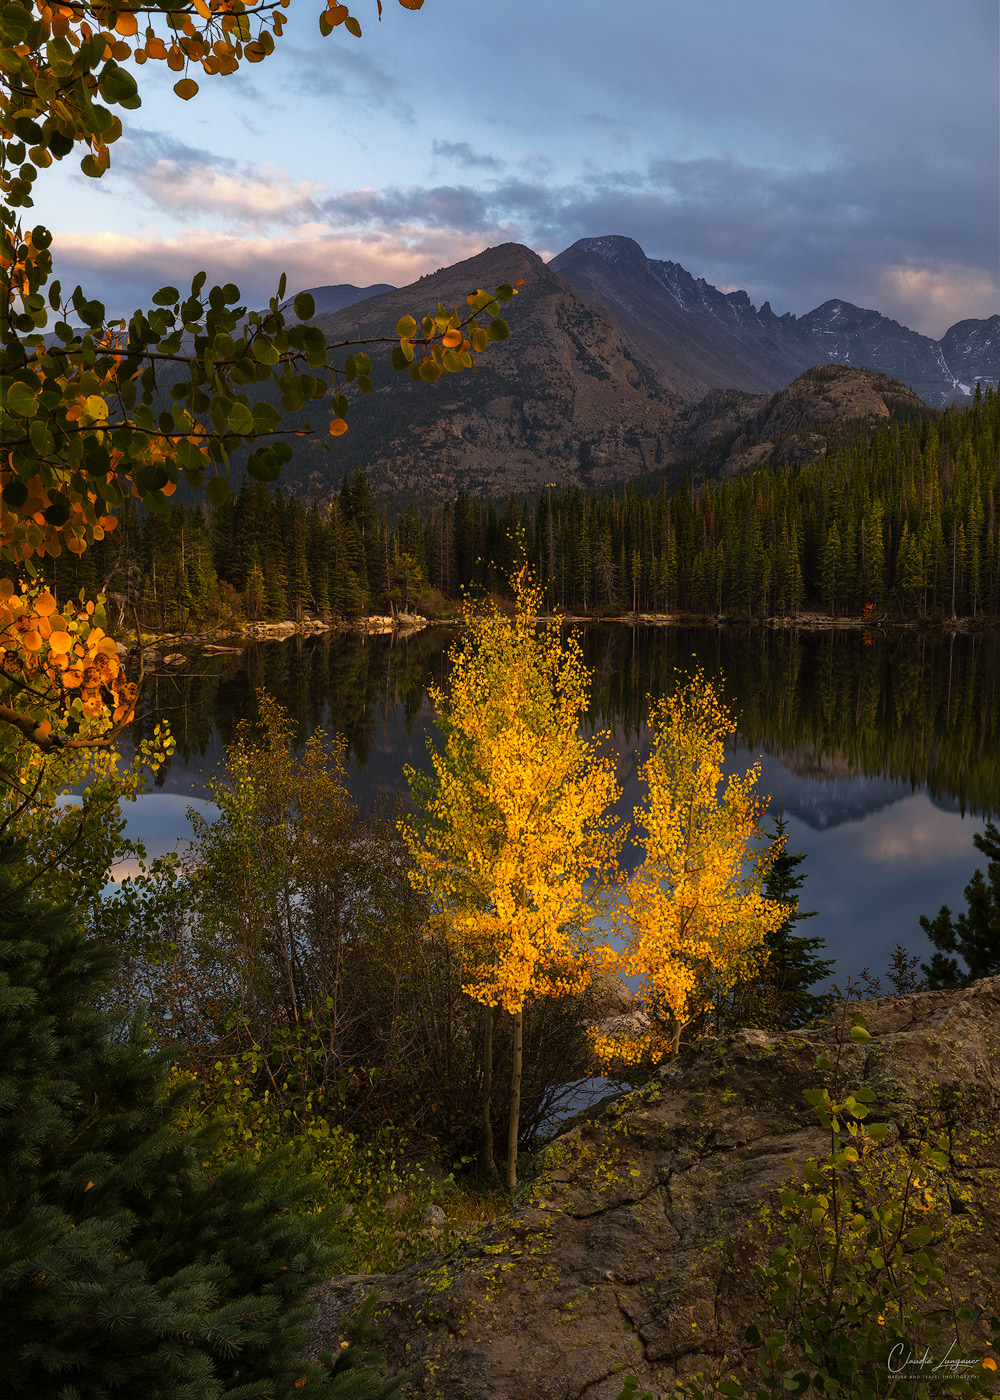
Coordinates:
[793,966]
[125,1270]
[973,935]
[780,997]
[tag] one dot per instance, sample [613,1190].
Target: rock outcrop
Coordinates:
[636,1240]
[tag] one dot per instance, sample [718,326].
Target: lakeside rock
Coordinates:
[635,1242]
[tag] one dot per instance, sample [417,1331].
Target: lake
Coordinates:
[882,751]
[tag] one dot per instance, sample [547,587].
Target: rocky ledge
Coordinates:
[635,1241]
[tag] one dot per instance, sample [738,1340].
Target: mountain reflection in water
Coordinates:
[885,757]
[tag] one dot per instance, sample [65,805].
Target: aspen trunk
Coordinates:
[515,1103]
[487,1161]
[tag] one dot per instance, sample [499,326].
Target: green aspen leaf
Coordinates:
[240,419]
[186,88]
[59,144]
[430,371]
[262,466]
[858,1033]
[340,405]
[217,491]
[266,418]
[505,292]
[497,330]
[397,359]
[352,26]
[41,438]
[166,296]
[406,327]
[314,344]
[364,364]
[413,370]
[27,129]
[364,384]
[14,494]
[350,369]
[264,352]
[92,167]
[21,400]
[325,27]
[305,306]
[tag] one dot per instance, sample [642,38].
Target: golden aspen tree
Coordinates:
[694,917]
[513,839]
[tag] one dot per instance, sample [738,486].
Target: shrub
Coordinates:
[125,1267]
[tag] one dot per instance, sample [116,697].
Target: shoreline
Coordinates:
[225,638]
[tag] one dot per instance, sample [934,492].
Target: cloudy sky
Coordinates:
[795,149]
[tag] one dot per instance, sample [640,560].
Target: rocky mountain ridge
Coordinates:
[617,365]
[562,400]
[694,337]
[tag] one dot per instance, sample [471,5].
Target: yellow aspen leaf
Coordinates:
[45,604]
[156,48]
[338,427]
[60,642]
[126,23]
[30,640]
[452,339]
[186,88]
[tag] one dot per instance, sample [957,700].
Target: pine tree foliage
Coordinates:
[793,965]
[905,518]
[124,1270]
[974,935]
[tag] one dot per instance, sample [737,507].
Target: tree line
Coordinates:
[905,519]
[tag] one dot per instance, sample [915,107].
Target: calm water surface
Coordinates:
[885,758]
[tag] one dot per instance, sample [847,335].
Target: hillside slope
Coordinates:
[562,400]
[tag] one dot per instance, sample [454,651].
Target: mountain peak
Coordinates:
[696,338]
[611,248]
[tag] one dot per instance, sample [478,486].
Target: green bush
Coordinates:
[126,1268]
[854,1284]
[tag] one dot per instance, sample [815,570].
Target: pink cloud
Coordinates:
[123,270]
